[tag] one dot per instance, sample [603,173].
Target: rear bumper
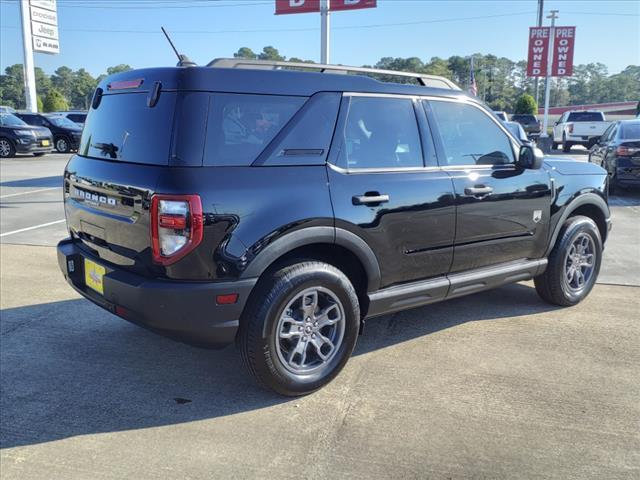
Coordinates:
[628,176]
[185,311]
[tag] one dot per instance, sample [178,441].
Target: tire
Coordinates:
[566,146]
[39,154]
[62,145]
[268,341]
[556,285]
[7,150]
[554,145]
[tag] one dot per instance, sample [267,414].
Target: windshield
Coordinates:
[630,131]
[8,120]
[62,122]
[586,117]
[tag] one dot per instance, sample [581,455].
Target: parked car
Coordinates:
[66,134]
[517,131]
[618,152]
[18,137]
[578,127]
[217,205]
[530,123]
[502,116]
[76,116]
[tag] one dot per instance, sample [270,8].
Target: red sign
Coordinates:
[538,51]
[562,58]
[284,7]
[563,44]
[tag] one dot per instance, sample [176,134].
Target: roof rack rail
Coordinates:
[424,79]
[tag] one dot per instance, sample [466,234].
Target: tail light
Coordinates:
[570,128]
[176,226]
[623,151]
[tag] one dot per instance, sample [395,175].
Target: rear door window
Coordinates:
[380,133]
[240,126]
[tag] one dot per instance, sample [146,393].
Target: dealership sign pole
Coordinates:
[324,7]
[547,83]
[39,34]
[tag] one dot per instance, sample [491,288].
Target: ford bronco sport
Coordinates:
[278,207]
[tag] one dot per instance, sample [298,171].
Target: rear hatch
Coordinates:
[125,146]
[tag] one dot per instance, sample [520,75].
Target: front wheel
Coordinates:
[299,327]
[7,150]
[574,263]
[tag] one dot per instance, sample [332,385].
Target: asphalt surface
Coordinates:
[495,385]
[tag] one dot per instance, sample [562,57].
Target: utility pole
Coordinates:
[28,66]
[547,85]
[537,80]
[325,31]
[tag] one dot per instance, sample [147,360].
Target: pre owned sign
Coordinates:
[562,57]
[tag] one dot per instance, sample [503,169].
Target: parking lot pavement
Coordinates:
[496,385]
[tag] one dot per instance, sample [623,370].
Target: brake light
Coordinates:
[571,128]
[125,84]
[176,226]
[623,151]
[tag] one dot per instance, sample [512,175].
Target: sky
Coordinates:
[96,34]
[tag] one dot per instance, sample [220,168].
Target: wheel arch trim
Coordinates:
[318,235]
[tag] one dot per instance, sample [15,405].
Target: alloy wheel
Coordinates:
[5,148]
[310,330]
[580,262]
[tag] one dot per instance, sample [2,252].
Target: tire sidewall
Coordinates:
[68,146]
[341,287]
[12,149]
[572,231]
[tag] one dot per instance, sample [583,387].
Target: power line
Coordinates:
[311,29]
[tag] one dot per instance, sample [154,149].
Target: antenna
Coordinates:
[183,60]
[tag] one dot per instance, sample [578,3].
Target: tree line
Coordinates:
[501,82]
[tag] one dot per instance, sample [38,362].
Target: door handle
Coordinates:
[369,199]
[481,191]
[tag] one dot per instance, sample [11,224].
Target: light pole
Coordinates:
[28,67]
[547,84]
[325,29]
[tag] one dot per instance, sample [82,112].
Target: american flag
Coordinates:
[473,87]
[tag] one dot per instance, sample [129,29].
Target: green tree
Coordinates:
[40,104]
[123,67]
[271,53]
[62,80]
[82,89]
[245,52]
[54,102]
[12,87]
[526,104]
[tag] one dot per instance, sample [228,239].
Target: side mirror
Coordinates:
[530,157]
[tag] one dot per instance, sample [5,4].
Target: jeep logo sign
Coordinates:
[94,198]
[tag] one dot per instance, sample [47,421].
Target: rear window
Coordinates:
[586,117]
[630,131]
[240,126]
[124,128]
[523,118]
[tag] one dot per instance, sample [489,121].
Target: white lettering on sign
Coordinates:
[46,4]
[44,30]
[296,3]
[46,45]
[44,16]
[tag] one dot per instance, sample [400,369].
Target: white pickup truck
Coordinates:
[579,127]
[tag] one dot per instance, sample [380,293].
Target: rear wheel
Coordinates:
[554,145]
[299,327]
[566,146]
[62,145]
[7,149]
[574,263]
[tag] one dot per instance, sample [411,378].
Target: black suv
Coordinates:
[18,137]
[277,208]
[530,123]
[66,134]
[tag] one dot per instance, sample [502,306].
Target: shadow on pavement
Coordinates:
[40,182]
[69,368]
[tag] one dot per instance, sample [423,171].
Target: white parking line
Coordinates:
[31,228]
[30,191]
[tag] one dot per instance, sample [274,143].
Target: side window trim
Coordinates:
[440,146]
[333,159]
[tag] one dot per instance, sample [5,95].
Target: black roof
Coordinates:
[261,81]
